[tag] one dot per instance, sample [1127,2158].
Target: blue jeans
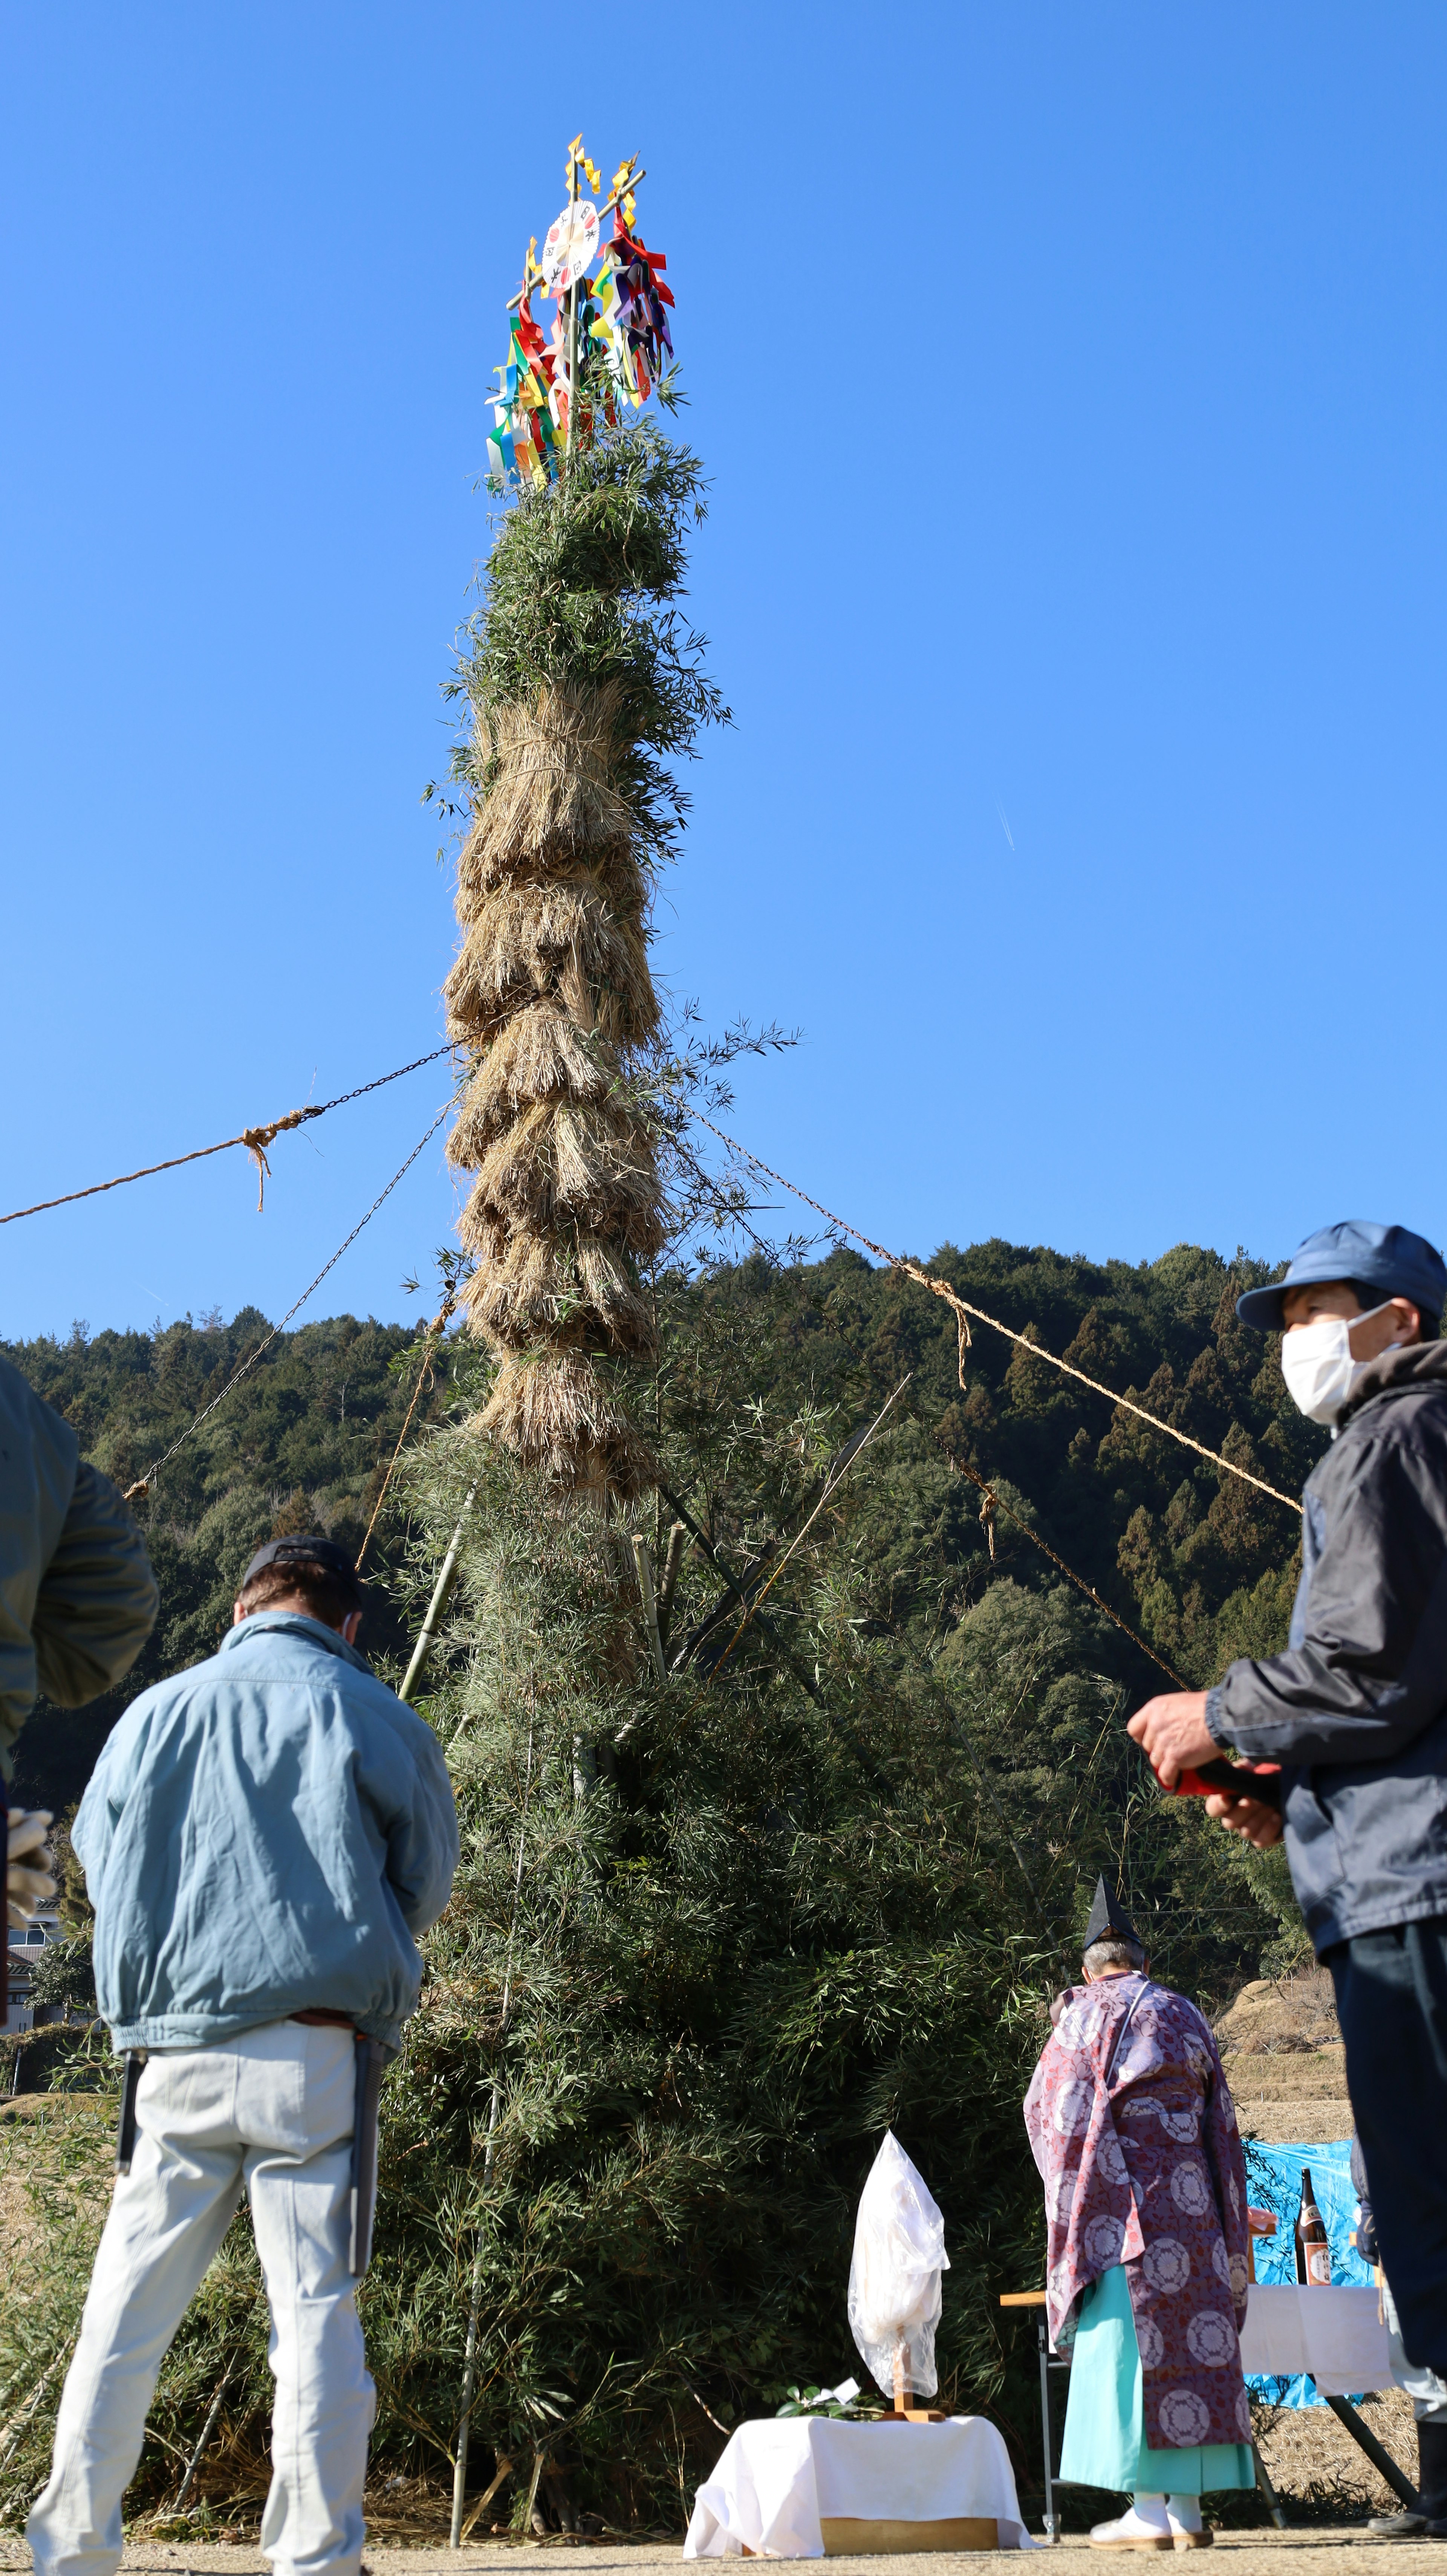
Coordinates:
[1391,2001]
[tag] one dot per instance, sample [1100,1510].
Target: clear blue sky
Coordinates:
[1071,381]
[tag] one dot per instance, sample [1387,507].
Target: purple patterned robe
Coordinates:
[1132,2126]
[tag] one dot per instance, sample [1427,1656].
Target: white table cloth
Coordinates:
[782,2476]
[1336,2335]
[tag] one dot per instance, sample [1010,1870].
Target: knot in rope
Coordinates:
[137,1492]
[256,1140]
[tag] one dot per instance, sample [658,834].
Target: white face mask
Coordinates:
[1317,1364]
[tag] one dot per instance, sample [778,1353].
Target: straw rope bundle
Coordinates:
[552,989]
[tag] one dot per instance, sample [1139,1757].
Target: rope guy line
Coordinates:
[255,1139]
[425,1374]
[143,1484]
[832,1484]
[963,1310]
[994,1503]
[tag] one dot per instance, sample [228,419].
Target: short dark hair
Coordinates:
[327,1595]
[1368,1295]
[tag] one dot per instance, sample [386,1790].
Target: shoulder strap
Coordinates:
[1120,2034]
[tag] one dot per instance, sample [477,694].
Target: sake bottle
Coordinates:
[1313,2254]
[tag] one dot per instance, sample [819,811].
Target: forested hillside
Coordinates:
[1201,1564]
[714,1929]
[301,1443]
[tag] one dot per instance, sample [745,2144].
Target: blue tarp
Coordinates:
[1273,2181]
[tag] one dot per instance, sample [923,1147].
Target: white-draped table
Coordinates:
[809,2486]
[1335,2336]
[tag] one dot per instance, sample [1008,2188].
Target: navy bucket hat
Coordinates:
[1389,1258]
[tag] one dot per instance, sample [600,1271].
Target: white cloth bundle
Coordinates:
[894,2279]
[779,2485]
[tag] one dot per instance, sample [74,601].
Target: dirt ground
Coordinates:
[1321,2551]
[1283,2057]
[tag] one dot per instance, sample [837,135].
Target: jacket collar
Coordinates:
[294,1623]
[1395,1372]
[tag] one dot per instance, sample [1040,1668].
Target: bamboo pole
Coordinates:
[436,1608]
[572,315]
[474,2313]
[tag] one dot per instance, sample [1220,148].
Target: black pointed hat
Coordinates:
[1107,1915]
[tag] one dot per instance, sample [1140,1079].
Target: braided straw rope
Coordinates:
[145,1484]
[963,1310]
[255,1140]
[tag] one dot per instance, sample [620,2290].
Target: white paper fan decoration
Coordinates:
[571,244]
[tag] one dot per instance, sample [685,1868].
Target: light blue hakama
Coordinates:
[1105,2425]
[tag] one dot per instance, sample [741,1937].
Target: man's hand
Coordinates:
[1262,1826]
[1172,1733]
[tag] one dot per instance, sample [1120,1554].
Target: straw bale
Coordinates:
[574,1289]
[565,938]
[587,1163]
[553,790]
[555,1412]
[542,1054]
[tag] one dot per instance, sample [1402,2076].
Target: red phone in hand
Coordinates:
[1260,1780]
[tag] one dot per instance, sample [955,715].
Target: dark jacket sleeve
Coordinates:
[1371,1671]
[97,1600]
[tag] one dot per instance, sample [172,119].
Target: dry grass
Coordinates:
[553,792]
[570,1291]
[553,980]
[564,1164]
[554,1412]
[542,1054]
[1284,2060]
[1312,2460]
[564,936]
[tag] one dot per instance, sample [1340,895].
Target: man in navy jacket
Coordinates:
[1355,1712]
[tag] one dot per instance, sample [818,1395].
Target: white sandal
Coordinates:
[1134,2529]
[1183,2513]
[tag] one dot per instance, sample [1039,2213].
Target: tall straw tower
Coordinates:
[580,680]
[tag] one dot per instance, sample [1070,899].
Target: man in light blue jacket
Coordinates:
[262,1839]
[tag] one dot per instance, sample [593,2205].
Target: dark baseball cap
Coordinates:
[1389,1258]
[305,1550]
